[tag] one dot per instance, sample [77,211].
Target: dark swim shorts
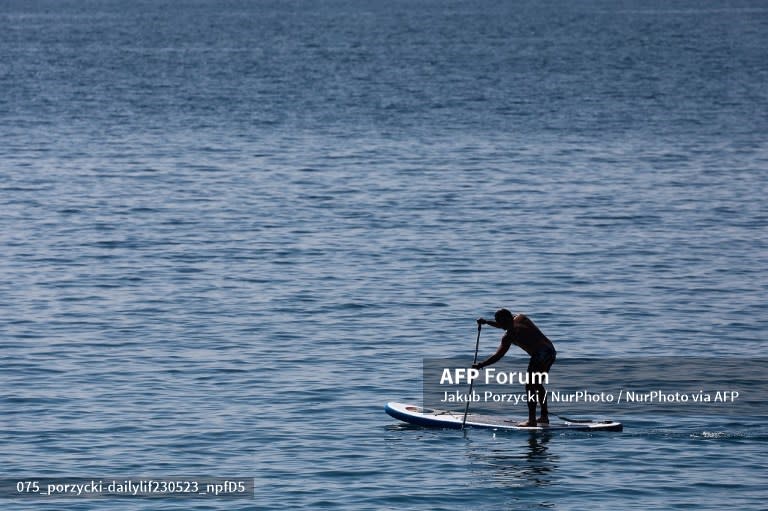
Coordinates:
[542,361]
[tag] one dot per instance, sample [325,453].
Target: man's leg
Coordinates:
[542,397]
[530,392]
[544,408]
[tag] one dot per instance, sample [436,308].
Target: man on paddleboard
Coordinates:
[521,332]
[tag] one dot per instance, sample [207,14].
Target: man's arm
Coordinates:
[483,321]
[503,348]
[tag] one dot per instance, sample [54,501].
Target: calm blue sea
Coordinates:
[231,231]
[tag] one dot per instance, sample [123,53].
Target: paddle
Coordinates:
[471,382]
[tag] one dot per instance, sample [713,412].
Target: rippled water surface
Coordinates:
[231,231]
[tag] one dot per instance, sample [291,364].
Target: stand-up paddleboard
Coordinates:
[452,420]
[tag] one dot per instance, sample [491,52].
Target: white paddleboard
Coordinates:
[413,414]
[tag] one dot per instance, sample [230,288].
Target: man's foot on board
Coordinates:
[526,424]
[543,420]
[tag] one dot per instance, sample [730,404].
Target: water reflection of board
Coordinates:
[413,414]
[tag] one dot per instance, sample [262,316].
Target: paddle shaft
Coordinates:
[471,382]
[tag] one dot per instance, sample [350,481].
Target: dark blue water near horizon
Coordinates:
[231,231]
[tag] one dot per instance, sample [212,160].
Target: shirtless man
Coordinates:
[521,332]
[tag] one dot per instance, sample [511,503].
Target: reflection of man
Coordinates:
[521,331]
